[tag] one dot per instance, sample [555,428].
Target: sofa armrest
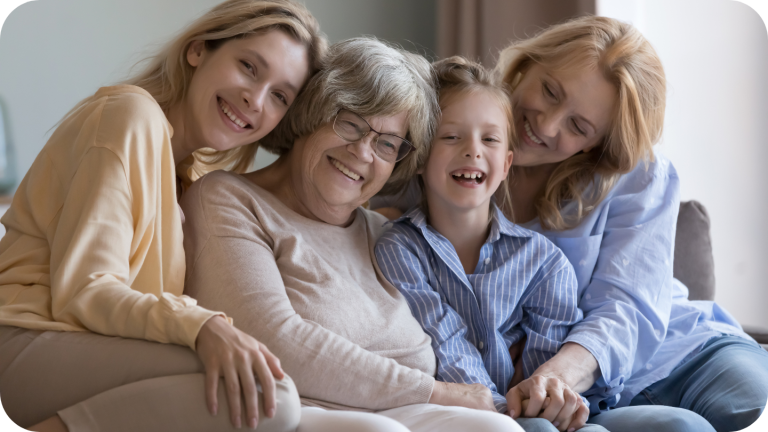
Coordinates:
[760,334]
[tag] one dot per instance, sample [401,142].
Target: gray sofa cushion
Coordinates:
[694,264]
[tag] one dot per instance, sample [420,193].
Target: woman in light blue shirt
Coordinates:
[588,99]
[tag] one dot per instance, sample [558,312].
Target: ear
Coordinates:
[508,161]
[195,53]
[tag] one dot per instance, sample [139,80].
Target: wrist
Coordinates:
[437,393]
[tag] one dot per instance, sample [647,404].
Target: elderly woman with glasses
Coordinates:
[287,251]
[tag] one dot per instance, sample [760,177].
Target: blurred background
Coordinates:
[715,52]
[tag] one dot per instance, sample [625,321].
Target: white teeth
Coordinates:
[466,175]
[530,134]
[479,175]
[231,115]
[474,175]
[344,170]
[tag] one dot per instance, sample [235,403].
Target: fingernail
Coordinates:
[252,423]
[556,424]
[271,413]
[572,430]
[214,409]
[237,423]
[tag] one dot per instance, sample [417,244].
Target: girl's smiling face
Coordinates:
[560,113]
[470,154]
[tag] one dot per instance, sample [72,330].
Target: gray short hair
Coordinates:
[371,78]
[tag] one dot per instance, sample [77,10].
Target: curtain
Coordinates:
[479,29]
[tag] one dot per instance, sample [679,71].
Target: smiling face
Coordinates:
[242,89]
[560,113]
[470,154]
[332,176]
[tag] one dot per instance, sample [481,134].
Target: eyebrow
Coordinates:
[565,96]
[261,60]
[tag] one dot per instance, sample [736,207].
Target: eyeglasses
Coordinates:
[351,127]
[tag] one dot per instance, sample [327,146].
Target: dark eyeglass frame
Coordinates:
[401,154]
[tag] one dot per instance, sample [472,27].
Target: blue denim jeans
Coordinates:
[723,388]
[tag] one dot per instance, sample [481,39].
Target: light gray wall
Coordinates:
[715,55]
[54,53]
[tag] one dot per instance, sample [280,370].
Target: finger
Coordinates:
[272,361]
[556,403]
[211,389]
[537,396]
[579,418]
[515,402]
[565,416]
[267,381]
[232,384]
[250,393]
[556,391]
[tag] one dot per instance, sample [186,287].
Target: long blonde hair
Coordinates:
[168,74]
[628,61]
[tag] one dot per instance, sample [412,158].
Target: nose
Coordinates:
[472,149]
[363,148]
[549,122]
[255,98]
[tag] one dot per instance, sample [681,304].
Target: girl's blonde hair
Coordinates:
[456,76]
[168,74]
[628,61]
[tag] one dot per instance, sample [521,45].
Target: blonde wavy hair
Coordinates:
[456,76]
[168,74]
[370,78]
[626,60]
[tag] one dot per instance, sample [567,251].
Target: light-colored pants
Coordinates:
[102,383]
[409,418]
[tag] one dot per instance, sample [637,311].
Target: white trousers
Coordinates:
[410,418]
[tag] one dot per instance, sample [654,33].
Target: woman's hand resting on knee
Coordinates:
[476,396]
[549,398]
[234,355]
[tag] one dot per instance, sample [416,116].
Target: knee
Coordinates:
[735,419]
[288,413]
[495,422]
[536,425]
[677,420]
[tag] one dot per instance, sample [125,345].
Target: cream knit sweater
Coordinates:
[311,291]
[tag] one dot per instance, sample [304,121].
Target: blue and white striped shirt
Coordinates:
[522,285]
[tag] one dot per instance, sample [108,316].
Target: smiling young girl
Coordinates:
[95,333]
[476,282]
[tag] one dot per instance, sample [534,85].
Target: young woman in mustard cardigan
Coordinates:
[95,333]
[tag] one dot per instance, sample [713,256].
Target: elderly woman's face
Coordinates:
[339,175]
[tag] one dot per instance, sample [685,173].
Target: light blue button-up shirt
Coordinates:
[522,285]
[638,321]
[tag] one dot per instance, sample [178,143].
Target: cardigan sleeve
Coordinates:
[90,262]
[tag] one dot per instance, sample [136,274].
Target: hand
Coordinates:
[549,398]
[516,354]
[475,396]
[228,352]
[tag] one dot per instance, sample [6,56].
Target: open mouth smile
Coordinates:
[229,113]
[532,136]
[468,176]
[345,169]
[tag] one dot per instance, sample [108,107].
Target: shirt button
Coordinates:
[658,333]
[648,366]
[588,296]
[480,345]
[487,261]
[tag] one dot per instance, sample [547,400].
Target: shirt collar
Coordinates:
[499,223]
